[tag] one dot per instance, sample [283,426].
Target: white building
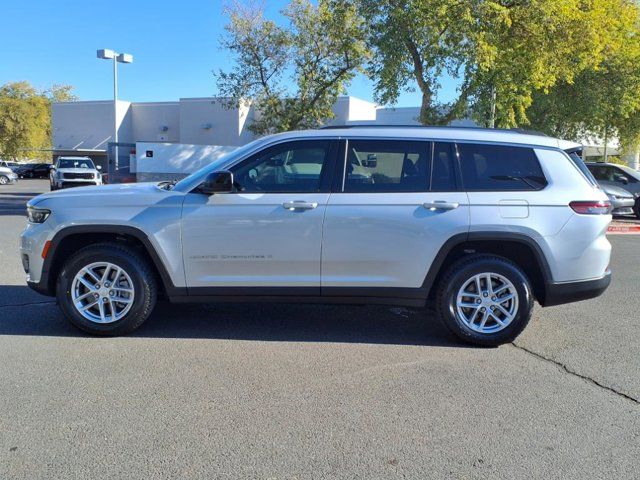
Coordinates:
[87,127]
[195,130]
[180,128]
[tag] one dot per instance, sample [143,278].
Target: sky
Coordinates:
[175,44]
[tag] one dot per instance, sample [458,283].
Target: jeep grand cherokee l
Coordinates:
[480,222]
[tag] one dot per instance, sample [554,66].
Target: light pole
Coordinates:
[106,54]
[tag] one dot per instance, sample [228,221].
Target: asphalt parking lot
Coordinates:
[298,391]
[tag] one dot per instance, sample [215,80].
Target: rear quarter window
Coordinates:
[500,168]
[586,171]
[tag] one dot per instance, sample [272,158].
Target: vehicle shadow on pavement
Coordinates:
[298,323]
[23,312]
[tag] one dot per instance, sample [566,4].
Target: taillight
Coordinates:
[600,207]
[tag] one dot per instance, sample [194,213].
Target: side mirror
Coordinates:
[217,182]
[623,179]
[98,167]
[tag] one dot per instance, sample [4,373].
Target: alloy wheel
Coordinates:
[487,302]
[102,292]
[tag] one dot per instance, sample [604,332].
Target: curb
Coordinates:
[624,230]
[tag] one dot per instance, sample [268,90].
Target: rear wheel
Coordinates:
[107,289]
[485,300]
[636,208]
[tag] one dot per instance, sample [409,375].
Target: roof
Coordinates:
[435,133]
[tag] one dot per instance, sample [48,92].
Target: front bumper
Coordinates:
[78,183]
[560,293]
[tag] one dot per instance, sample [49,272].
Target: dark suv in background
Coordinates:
[34,170]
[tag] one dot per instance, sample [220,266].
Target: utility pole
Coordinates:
[106,54]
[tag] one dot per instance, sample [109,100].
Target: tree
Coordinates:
[25,118]
[292,73]
[61,93]
[604,101]
[501,50]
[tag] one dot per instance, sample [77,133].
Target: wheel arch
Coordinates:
[523,250]
[70,239]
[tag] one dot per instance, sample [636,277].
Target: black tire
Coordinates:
[454,279]
[52,188]
[142,277]
[4,180]
[636,208]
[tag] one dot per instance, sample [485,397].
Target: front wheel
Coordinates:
[485,300]
[107,289]
[4,180]
[636,208]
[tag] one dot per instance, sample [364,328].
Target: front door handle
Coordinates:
[440,205]
[300,205]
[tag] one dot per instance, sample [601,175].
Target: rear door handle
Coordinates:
[440,205]
[300,205]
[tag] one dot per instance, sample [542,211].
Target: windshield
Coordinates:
[630,171]
[75,163]
[196,177]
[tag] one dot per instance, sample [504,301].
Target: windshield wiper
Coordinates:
[533,182]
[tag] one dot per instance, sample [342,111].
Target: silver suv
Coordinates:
[480,223]
[74,172]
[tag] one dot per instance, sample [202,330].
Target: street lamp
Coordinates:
[106,54]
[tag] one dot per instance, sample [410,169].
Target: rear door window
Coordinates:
[378,166]
[500,168]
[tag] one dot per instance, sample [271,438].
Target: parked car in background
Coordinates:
[74,172]
[10,165]
[619,176]
[34,170]
[622,201]
[7,176]
[479,222]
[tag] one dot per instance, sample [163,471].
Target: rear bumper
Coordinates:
[559,293]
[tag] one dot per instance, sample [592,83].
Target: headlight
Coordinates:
[37,215]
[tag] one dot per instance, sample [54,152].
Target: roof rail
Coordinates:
[508,130]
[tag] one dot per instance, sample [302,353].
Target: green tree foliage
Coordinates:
[604,101]
[25,118]
[502,49]
[61,93]
[292,73]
